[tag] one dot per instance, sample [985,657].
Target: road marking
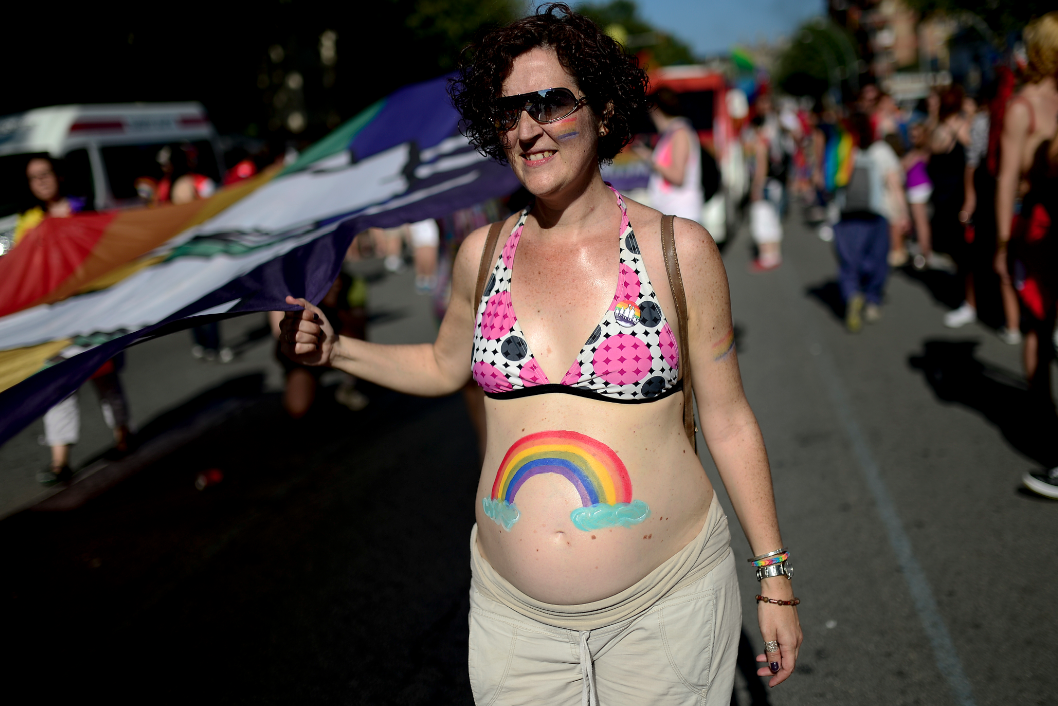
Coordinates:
[921,593]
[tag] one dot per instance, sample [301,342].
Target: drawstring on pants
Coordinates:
[587,673]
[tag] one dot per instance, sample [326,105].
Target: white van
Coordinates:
[103,150]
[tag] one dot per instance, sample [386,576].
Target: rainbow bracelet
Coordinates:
[777,559]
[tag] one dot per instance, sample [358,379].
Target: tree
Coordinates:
[1002,17]
[243,61]
[450,24]
[820,56]
[638,34]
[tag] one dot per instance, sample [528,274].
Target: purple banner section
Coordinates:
[401,119]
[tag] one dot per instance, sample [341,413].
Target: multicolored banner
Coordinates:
[78,290]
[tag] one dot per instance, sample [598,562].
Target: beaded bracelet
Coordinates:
[776,601]
[768,561]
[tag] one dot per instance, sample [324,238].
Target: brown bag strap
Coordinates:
[679,296]
[486,262]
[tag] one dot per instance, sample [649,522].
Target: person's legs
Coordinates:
[207,336]
[897,256]
[683,651]
[1038,355]
[513,660]
[115,407]
[1011,305]
[875,263]
[923,234]
[300,392]
[848,244]
[62,429]
[766,230]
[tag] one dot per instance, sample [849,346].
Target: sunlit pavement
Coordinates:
[330,565]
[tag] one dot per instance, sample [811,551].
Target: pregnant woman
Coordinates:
[602,565]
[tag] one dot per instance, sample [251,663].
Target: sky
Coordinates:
[714,26]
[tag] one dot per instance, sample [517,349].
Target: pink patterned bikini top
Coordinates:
[630,357]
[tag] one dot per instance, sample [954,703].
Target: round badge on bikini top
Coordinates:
[627,313]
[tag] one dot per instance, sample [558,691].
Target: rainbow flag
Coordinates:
[76,291]
[742,60]
[838,160]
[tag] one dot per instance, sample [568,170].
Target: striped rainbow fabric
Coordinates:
[76,291]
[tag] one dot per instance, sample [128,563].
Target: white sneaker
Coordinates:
[957,318]
[393,263]
[941,263]
[1011,337]
[826,233]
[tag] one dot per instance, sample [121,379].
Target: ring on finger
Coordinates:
[771,646]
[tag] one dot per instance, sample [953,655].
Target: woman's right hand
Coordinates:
[306,336]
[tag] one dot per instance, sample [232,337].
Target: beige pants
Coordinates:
[680,648]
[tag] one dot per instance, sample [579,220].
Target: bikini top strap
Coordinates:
[679,296]
[486,261]
[1032,113]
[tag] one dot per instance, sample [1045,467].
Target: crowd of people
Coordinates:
[959,182]
[963,183]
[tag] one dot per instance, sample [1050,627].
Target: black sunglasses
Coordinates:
[546,106]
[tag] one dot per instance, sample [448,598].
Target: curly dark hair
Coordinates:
[613,82]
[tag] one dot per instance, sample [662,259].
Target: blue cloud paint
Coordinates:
[602,515]
[501,512]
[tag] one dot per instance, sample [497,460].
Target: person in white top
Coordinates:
[675,185]
[861,238]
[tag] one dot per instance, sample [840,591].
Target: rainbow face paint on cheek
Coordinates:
[566,129]
[722,348]
[593,468]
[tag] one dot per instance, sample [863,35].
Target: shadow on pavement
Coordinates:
[956,375]
[244,386]
[829,295]
[161,436]
[747,667]
[330,565]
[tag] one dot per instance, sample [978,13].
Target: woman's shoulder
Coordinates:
[470,250]
[693,241]
[475,242]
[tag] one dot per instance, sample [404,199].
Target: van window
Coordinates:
[74,170]
[124,164]
[77,177]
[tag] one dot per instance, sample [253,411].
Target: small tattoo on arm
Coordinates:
[724,346]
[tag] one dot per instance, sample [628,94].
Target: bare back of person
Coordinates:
[1035,105]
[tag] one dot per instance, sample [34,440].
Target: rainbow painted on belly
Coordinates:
[591,467]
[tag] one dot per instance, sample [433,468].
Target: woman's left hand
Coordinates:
[778,623]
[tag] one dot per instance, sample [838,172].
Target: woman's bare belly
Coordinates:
[579,499]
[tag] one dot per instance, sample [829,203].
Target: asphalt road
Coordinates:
[896,454]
